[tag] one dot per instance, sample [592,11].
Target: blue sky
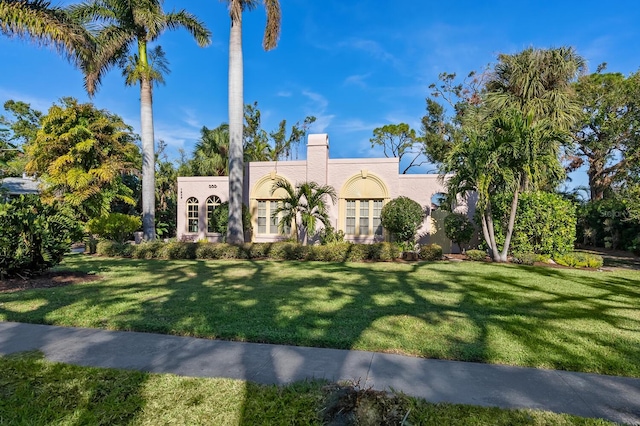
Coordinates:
[355,65]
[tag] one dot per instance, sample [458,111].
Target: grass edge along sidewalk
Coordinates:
[537,317]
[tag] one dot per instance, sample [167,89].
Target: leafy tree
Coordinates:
[211,153]
[125,27]
[235,234]
[607,137]
[220,218]
[166,193]
[81,154]
[14,134]
[398,141]
[304,206]
[402,217]
[34,236]
[114,226]
[458,228]
[43,24]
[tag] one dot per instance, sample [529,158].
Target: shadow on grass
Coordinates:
[528,316]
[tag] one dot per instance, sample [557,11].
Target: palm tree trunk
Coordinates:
[235,234]
[510,226]
[148,161]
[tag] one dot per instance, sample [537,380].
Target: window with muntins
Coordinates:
[267,223]
[366,215]
[192,214]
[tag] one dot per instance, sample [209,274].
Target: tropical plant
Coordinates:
[114,226]
[304,206]
[125,26]
[81,153]
[402,217]
[43,24]
[211,153]
[220,219]
[235,233]
[15,132]
[35,236]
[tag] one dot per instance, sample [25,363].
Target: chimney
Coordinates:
[318,158]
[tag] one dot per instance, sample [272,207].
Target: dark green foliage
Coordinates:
[220,218]
[458,228]
[476,255]
[114,226]
[545,223]
[329,235]
[402,217]
[34,236]
[336,252]
[177,250]
[431,252]
[580,260]
[607,223]
[113,249]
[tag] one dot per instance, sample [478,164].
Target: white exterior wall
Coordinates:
[337,173]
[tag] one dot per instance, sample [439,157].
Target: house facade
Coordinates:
[363,186]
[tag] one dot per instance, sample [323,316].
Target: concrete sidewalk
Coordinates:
[587,395]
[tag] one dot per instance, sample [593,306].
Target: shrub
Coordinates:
[580,260]
[524,258]
[545,223]
[113,249]
[402,217]
[34,236]
[476,255]
[431,252]
[607,222]
[328,235]
[384,252]
[220,219]
[258,250]
[458,228]
[147,250]
[115,226]
[177,250]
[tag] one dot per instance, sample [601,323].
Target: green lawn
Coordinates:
[37,392]
[519,315]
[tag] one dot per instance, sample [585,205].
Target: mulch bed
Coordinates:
[48,279]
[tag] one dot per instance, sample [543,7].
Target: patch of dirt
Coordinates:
[352,405]
[48,279]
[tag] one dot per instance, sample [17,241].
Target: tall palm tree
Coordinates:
[538,82]
[235,234]
[42,23]
[211,153]
[123,26]
[304,206]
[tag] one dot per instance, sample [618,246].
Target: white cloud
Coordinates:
[357,80]
[284,94]
[318,108]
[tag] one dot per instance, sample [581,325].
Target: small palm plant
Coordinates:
[304,206]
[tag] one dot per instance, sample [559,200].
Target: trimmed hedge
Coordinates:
[336,252]
[431,252]
[476,255]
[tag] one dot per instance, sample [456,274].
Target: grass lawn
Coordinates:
[37,392]
[519,315]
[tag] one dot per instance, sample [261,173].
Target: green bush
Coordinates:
[177,250]
[147,250]
[608,223]
[402,217]
[524,258]
[113,249]
[220,219]
[328,235]
[384,252]
[545,223]
[580,260]
[115,226]
[34,236]
[476,255]
[431,252]
[458,228]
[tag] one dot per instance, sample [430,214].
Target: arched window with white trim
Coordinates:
[361,200]
[192,215]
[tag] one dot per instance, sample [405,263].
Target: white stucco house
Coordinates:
[363,187]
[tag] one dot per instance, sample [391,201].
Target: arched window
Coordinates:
[192,214]
[212,203]
[361,199]
[264,204]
